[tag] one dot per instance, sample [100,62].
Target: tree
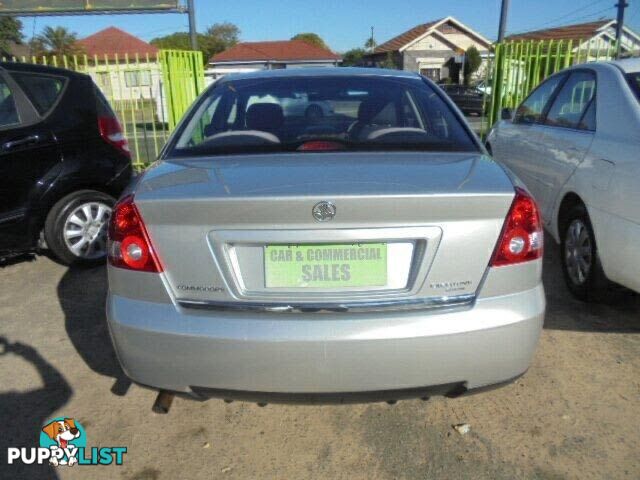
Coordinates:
[472,62]
[175,41]
[10,32]
[389,62]
[216,39]
[56,41]
[226,33]
[353,57]
[370,44]
[312,38]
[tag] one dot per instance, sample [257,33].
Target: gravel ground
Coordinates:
[575,414]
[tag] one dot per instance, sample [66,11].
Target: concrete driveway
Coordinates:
[575,414]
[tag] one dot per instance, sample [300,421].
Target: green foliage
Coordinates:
[174,41]
[55,41]
[370,44]
[10,32]
[472,62]
[312,38]
[353,57]
[217,38]
[389,62]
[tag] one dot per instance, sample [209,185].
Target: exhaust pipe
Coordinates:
[163,402]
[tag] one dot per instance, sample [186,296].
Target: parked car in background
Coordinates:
[63,160]
[467,98]
[574,142]
[378,251]
[296,104]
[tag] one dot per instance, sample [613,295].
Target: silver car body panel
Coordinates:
[600,167]
[209,220]
[175,348]
[209,321]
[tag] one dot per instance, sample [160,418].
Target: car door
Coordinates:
[568,131]
[28,151]
[517,142]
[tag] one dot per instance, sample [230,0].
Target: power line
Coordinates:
[565,16]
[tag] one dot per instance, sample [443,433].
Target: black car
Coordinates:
[63,160]
[468,99]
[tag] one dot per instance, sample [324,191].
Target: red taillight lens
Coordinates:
[320,146]
[522,237]
[111,132]
[129,243]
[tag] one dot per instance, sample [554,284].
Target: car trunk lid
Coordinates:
[228,230]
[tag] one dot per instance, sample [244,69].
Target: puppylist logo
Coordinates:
[63,441]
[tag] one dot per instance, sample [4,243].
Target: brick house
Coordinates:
[122,65]
[252,56]
[431,48]
[598,35]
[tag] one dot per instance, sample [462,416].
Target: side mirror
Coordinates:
[506,114]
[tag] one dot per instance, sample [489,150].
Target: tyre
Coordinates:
[581,265]
[76,227]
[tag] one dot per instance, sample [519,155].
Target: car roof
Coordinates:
[326,72]
[628,65]
[33,68]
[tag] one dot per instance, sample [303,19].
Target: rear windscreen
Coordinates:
[311,113]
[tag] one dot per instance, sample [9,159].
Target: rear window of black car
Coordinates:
[43,90]
[321,113]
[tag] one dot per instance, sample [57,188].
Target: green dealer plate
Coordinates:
[325,266]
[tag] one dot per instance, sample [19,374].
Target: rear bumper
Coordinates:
[166,346]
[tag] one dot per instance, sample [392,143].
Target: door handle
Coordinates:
[21,142]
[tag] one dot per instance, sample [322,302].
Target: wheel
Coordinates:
[581,265]
[76,227]
[314,112]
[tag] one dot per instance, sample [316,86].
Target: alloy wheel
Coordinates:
[578,252]
[85,230]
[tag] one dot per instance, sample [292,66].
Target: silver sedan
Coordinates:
[378,251]
[574,142]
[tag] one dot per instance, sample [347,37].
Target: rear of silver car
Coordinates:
[441,315]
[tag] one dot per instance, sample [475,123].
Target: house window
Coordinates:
[431,73]
[137,78]
[103,80]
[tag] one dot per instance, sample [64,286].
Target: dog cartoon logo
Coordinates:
[65,434]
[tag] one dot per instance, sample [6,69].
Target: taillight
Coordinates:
[111,132]
[129,243]
[522,237]
[321,146]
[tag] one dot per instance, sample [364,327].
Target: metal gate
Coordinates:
[148,94]
[518,67]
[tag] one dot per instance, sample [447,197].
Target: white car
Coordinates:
[575,143]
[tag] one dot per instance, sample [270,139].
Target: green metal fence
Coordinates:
[148,94]
[518,67]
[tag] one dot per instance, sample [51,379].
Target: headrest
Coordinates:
[265,116]
[371,107]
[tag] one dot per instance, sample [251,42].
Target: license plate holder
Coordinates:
[325,266]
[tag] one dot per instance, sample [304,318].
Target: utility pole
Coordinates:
[622,5]
[373,42]
[504,11]
[193,35]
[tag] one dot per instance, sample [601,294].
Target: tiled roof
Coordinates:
[396,43]
[17,50]
[112,41]
[288,50]
[580,31]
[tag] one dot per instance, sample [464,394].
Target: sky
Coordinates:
[346,24]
